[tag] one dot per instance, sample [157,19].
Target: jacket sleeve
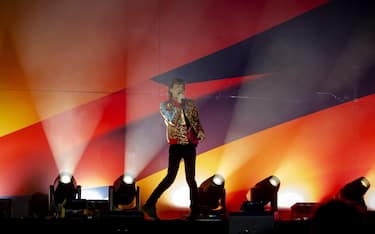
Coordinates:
[192,114]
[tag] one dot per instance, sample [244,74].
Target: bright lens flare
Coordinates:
[128,179]
[218,179]
[365,182]
[65,178]
[289,197]
[274,181]
[180,197]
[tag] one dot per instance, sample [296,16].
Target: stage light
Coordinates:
[212,197]
[63,191]
[354,191]
[124,194]
[262,194]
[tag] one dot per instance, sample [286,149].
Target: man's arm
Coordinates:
[194,120]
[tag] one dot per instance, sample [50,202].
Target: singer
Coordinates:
[184,131]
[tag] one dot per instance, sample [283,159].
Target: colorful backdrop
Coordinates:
[284,88]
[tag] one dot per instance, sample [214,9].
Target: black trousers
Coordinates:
[176,154]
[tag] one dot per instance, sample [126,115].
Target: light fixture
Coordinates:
[124,194]
[262,194]
[354,191]
[63,192]
[212,197]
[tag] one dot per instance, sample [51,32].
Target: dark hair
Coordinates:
[336,216]
[175,81]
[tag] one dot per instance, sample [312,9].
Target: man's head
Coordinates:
[176,88]
[338,216]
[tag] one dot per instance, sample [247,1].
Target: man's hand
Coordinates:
[201,136]
[180,97]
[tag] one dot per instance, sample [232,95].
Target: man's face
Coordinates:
[178,91]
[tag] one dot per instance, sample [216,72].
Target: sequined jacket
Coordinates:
[181,120]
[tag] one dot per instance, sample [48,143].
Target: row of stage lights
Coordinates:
[124,195]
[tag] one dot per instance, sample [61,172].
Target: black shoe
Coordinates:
[150,211]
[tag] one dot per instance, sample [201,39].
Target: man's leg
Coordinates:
[173,164]
[190,159]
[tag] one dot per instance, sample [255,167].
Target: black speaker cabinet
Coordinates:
[248,222]
[5,208]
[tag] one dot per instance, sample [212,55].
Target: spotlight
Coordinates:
[212,196]
[354,191]
[63,191]
[262,194]
[124,194]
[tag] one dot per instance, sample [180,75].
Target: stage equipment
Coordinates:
[124,194]
[354,191]
[212,197]
[243,222]
[263,196]
[64,194]
[303,210]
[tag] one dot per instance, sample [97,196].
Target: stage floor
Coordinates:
[140,226]
[235,223]
[128,225]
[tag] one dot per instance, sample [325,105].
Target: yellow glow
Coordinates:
[298,161]
[83,68]
[370,199]
[226,154]
[149,183]
[179,196]
[289,195]
[297,189]
[17,111]
[50,104]
[370,194]
[18,108]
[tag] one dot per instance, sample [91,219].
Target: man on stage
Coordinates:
[184,132]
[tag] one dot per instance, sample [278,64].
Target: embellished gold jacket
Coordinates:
[181,120]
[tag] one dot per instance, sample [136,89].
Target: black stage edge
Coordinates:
[145,226]
[135,225]
[114,225]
